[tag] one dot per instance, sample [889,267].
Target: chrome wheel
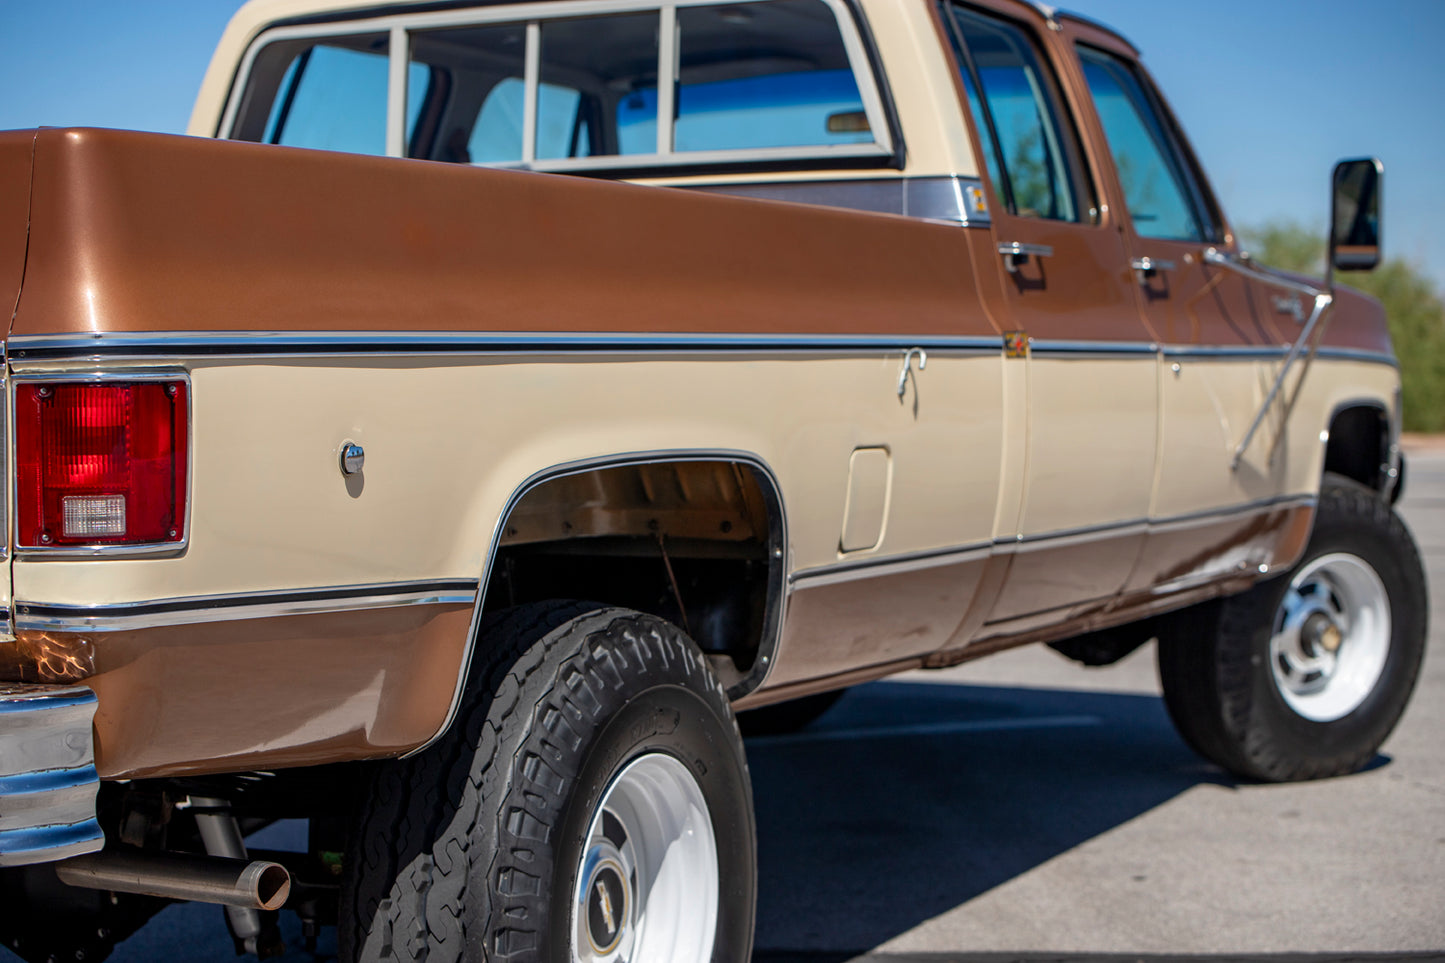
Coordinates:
[647,886]
[1331,637]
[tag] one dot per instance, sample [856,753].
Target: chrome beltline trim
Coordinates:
[1357,354]
[1203,352]
[1091,350]
[278,344]
[262,344]
[157,613]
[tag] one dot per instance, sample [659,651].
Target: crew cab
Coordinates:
[360,467]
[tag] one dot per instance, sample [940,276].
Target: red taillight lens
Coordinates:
[100,464]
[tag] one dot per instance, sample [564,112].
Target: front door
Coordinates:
[1064,288]
[1221,340]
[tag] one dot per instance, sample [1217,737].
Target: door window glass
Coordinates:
[1156,190]
[1032,155]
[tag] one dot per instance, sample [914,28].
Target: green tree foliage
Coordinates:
[1412,304]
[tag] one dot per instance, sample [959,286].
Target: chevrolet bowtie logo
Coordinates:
[605,898]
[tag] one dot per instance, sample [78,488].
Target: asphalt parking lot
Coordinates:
[1024,808]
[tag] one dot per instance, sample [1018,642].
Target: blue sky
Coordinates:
[1271,92]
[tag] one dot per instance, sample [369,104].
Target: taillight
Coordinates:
[100,463]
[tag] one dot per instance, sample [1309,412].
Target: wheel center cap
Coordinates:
[607,907]
[1321,632]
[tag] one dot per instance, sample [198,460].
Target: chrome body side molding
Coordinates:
[854,569]
[155,613]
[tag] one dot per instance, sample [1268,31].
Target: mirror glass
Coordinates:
[1355,214]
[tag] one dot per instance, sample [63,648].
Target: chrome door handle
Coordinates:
[1147,267]
[1016,253]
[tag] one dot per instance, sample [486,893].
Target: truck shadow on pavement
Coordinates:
[910,798]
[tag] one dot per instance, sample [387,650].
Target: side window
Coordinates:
[564,92]
[497,133]
[609,61]
[482,67]
[328,94]
[765,75]
[1163,201]
[1031,150]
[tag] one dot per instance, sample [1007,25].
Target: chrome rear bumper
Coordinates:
[47,774]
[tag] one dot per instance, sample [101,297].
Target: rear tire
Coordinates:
[1304,676]
[590,801]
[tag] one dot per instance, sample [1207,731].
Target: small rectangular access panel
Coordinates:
[870,476]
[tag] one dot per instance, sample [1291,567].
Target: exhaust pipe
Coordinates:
[203,879]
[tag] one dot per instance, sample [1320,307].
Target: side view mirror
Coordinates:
[1355,215]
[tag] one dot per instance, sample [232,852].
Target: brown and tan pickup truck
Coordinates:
[358,468]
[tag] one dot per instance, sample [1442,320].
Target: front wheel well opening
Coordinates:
[696,542]
[1358,446]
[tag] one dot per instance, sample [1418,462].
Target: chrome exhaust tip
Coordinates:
[202,879]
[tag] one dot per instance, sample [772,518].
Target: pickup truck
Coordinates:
[360,469]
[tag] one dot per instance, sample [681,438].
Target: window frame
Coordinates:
[877,104]
[1196,188]
[1081,175]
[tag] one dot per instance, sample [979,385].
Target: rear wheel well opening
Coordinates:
[1358,446]
[696,542]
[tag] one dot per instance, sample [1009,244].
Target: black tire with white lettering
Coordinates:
[1305,675]
[590,802]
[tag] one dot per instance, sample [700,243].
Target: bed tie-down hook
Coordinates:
[908,357]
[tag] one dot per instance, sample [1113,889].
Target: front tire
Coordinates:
[1304,676]
[591,803]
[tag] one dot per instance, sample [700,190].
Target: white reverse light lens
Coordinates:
[93,515]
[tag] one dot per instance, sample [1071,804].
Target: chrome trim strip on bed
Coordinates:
[948,198]
[283,344]
[156,613]
[277,344]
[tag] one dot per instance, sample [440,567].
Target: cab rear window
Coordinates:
[751,81]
